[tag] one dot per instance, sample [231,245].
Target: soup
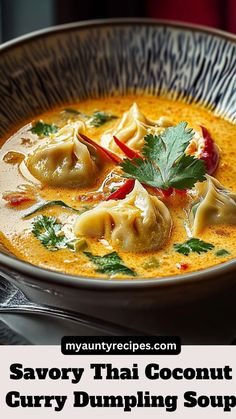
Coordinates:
[122,187]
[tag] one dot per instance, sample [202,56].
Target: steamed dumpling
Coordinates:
[140,222]
[217,205]
[132,128]
[63,160]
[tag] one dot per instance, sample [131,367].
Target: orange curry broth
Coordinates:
[16,233]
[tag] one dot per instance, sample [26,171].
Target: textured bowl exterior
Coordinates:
[97,59]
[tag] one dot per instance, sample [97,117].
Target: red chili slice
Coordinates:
[210,153]
[121,192]
[106,153]
[131,154]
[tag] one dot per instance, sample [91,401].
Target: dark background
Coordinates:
[21,16]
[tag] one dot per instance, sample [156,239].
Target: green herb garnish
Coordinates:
[73,111]
[77,244]
[99,118]
[42,129]
[41,205]
[110,264]
[193,245]
[222,252]
[49,232]
[164,164]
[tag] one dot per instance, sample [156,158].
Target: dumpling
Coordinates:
[138,223]
[217,205]
[132,129]
[64,160]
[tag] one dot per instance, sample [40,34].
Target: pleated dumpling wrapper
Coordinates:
[64,160]
[132,128]
[140,222]
[215,205]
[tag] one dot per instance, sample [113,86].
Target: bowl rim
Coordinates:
[50,276]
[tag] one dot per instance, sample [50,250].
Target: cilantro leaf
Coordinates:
[169,146]
[164,164]
[110,264]
[99,118]
[48,231]
[42,129]
[193,245]
[142,170]
[187,172]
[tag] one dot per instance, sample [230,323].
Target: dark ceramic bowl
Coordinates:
[63,64]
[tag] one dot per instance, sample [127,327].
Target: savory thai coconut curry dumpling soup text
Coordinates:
[122,187]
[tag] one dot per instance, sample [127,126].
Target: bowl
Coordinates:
[72,62]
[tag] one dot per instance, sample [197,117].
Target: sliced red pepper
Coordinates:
[106,153]
[167,192]
[131,154]
[181,192]
[182,266]
[210,153]
[121,192]
[15,199]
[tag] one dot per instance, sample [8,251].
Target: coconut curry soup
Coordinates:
[134,186]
